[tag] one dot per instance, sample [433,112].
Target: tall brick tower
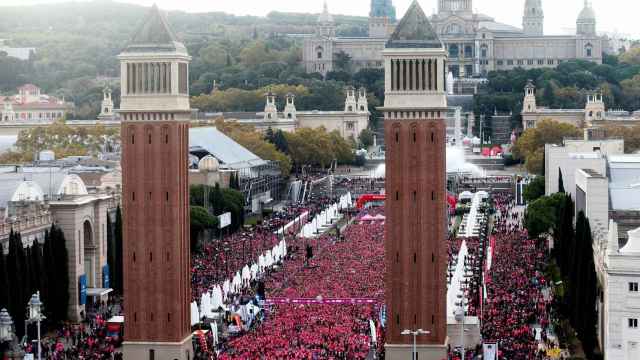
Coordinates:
[415,244]
[155,114]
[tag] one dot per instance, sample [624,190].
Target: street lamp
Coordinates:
[6,326]
[8,337]
[34,308]
[415,334]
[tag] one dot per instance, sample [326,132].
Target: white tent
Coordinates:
[195,314]
[226,288]
[246,273]
[255,270]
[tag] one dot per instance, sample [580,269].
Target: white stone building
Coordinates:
[349,123]
[593,115]
[475,43]
[32,199]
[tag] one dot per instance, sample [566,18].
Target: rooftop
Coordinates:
[210,140]
[414,31]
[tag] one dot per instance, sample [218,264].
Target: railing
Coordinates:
[25,223]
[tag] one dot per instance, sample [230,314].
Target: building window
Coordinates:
[500,62]
[540,62]
[152,354]
[483,51]
[510,62]
[468,51]
[633,287]
[453,51]
[530,62]
[550,62]
[520,62]
[633,323]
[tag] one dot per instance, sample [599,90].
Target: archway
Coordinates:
[89,254]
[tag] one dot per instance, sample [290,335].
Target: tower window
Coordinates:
[397,137]
[149,138]
[152,354]
[133,139]
[433,195]
[134,256]
[166,139]
[432,137]
[151,258]
[414,136]
[133,196]
[415,258]
[397,257]
[397,195]
[135,316]
[168,317]
[398,319]
[167,196]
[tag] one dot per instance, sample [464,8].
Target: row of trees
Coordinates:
[207,203]
[64,140]
[573,252]
[41,267]
[114,251]
[530,146]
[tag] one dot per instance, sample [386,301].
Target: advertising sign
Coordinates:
[224,220]
[82,287]
[106,281]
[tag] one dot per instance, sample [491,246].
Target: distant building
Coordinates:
[611,202]
[475,43]
[19,53]
[216,156]
[594,113]
[30,105]
[577,154]
[349,123]
[33,198]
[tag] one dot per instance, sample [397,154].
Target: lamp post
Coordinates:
[415,334]
[34,308]
[8,337]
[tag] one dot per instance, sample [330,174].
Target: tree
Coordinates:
[4,281]
[548,95]
[530,146]
[631,56]
[18,282]
[534,190]
[560,182]
[61,272]
[366,138]
[541,216]
[342,61]
[201,220]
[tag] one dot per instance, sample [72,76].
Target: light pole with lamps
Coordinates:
[415,334]
[34,308]
[8,337]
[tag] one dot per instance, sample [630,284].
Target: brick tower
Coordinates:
[415,244]
[155,115]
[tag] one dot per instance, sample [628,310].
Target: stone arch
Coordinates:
[90,253]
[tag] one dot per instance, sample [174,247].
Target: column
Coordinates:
[393,74]
[412,75]
[163,75]
[420,72]
[402,85]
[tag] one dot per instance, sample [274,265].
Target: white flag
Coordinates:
[490,352]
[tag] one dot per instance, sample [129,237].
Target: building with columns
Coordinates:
[31,106]
[593,115]
[476,43]
[414,110]
[349,122]
[155,114]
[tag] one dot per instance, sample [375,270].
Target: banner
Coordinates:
[82,289]
[490,351]
[106,281]
[224,220]
[349,301]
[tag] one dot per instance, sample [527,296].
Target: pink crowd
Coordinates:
[348,266]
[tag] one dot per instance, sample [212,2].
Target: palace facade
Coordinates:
[475,43]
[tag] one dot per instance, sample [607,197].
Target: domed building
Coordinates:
[34,198]
[476,43]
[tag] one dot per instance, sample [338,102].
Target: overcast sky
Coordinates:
[620,16]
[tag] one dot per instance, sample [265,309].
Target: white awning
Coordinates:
[98,291]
